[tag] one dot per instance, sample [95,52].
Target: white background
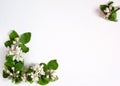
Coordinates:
[86,46]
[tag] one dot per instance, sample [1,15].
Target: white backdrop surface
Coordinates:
[86,46]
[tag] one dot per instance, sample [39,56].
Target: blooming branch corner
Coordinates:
[13,67]
[110,11]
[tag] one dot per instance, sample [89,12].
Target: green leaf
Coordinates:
[43,80]
[113,16]
[13,35]
[110,3]
[29,70]
[29,79]
[19,66]
[24,48]
[25,37]
[9,58]
[8,43]
[103,7]
[5,75]
[17,80]
[9,64]
[9,61]
[53,65]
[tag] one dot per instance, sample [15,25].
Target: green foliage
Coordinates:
[43,80]
[52,64]
[112,11]
[102,7]
[9,58]
[8,43]
[29,79]
[19,66]
[5,75]
[9,64]
[16,80]
[13,35]
[9,61]
[113,17]
[25,38]
[16,67]
[24,48]
[29,70]
[110,3]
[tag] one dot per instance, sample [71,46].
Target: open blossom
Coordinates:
[18,58]
[107,15]
[35,76]
[16,41]
[13,69]
[37,72]
[51,74]
[108,11]
[16,51]
[24,78]
[39,69]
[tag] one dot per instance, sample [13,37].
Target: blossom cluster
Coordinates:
[110,11]
[13,68]
[15,50]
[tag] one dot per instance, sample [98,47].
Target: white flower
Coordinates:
[107,10]
[18,72]
[18,58]
[7,71]
[16,51]
[11,74]
[16,41]
[39,69]
[24,78]
[51,74]
[110,7]
[107,15]
[13,68]
[34,76]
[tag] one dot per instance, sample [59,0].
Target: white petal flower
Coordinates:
[34,76]
[47,76]
[16,51]
[107,10]
[18,58]
[14,42]
[24,78]
[10,53]
[51,74]
[110,7]
[39,69]
[17,39]
[11,74]
[107,15]
[13,68]
[7,71]
[53,77]
[18,72]
[17,42]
